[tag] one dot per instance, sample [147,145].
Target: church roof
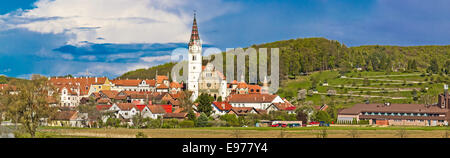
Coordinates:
[195,38]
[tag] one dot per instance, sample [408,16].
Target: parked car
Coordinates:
[322,123]
[314,123]
[294,125]
[279,125]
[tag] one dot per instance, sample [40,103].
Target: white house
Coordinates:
[220,108]
[124,110]
[257,101]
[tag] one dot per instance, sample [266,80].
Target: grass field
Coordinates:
[252,132]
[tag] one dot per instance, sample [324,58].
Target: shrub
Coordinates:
[171,123]
[202,120]
[217,123]
[141,135]
[187,124]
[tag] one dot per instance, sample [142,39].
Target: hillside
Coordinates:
[305,55]
[149,73]
[5,79]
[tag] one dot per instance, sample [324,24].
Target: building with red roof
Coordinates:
[220,108]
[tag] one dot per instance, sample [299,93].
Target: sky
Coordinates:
[111,37]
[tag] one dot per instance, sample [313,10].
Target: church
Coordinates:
[206,79]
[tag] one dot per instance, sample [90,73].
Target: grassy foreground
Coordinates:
[250,132]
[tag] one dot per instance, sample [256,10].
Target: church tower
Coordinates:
[195,60]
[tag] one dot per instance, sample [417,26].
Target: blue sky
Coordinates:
[59,37]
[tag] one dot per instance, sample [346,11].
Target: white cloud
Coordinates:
[118,21]
[52,54]
[88,57]
[114,57]
[156,58]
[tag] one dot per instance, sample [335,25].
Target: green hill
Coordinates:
[305,55]
[149,73]
[5,79]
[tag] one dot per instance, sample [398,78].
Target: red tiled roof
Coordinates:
[82,83]
[131,82]
[223,106]
[251,98]
[125,106]
[140,107]
[241,110]
[174,102]
[176,85]
[151,83]
[180,115]
[284,106]
[104,101]
[162,86]
[109,93]
[177,95]
[3,86]
[242,85]
[167,108]
[261,111]
[157,109]
[160,79]
[65,115]
[102,107]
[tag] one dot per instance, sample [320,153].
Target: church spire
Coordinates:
[195,38]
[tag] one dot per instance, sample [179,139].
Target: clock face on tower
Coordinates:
[194,48]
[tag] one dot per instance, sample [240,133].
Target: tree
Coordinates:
[302,116]
[434,67]
[447,68]
[185,101]
[202,120]
[138,120]
[90,109]
[204,104]
[322,116]
[31,103]
[230,119]
[301,94]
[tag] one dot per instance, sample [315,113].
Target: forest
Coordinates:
[305,55]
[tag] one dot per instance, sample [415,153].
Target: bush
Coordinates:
[187,124]
[202,120]
[217,123]
[141,135]
[171,123]
[231,120]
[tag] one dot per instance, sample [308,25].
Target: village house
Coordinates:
[68,119]
[156,111]
[179,116]
[220,108]
[258,101]
[286,106]
[124,110]
[242,111]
